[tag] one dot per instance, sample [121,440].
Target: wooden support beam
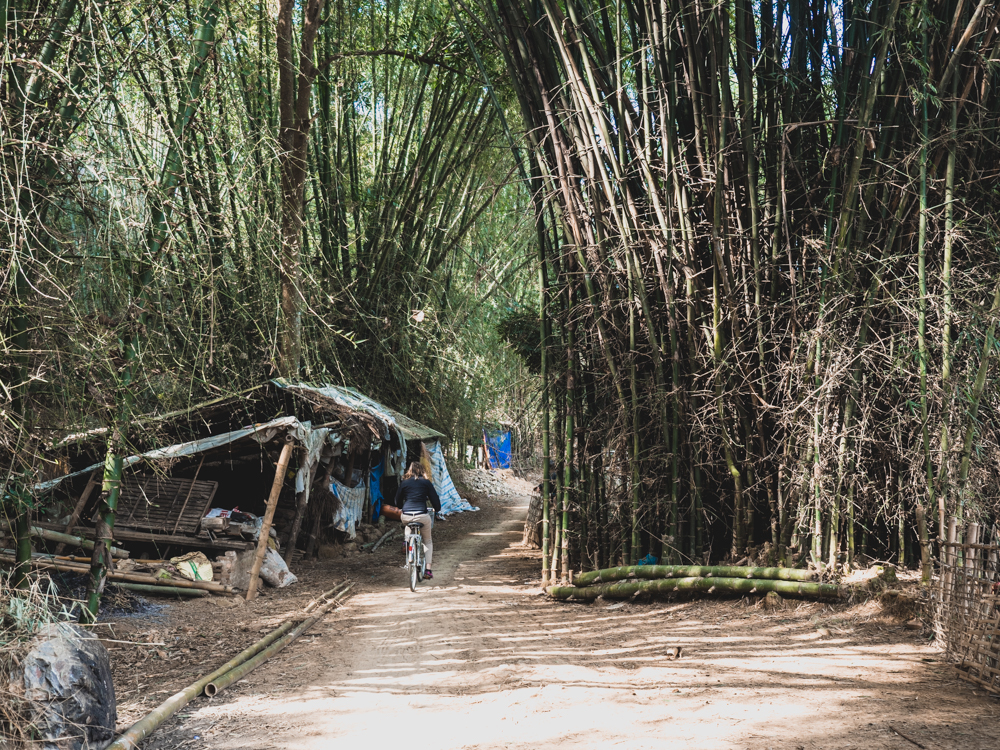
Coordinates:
[300,508]
[78,508]
[187,499]
[265,529]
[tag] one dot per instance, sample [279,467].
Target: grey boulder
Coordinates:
[67,684]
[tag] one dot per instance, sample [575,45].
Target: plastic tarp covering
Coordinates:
[451,502]
[262,433]
[352,503]
[498,448]
[375,489]
[351,399]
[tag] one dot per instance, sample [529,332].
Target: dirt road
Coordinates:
[480,660]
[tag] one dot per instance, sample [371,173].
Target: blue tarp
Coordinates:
[375,490]
[498,448]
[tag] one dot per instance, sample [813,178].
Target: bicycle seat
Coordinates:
[414,525]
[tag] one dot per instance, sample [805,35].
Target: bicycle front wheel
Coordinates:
[414,568]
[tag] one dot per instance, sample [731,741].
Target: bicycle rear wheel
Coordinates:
[411,559]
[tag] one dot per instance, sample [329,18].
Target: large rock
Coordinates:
[67,683]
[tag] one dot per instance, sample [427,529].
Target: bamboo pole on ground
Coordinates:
[265,529]
[626,589]
[145,588]
[608,575]
[131,738]
[242,670]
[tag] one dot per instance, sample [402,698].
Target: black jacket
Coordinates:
[416,495]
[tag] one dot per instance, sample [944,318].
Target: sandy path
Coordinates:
[479,660]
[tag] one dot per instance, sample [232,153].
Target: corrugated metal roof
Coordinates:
[352,399]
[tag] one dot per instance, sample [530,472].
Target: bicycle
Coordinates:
[415,563]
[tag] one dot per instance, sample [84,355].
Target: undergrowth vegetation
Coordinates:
[22,614]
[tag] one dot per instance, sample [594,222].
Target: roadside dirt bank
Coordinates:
[478,659]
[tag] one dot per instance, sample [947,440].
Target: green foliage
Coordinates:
[409,206]
[520,330]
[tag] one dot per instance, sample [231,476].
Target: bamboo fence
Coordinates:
[967,608]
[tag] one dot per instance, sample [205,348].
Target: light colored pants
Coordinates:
[426,524]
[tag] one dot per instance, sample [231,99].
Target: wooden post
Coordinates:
[300,508]
[265,529]
[319,510]
[948,568]
[971,559]
[78,509]
[971,553]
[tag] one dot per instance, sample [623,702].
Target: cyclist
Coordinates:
[415,497]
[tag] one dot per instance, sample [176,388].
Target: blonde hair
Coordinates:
[415,469]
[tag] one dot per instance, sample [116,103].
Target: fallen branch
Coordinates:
[385,537]
[608,575]
[908,739]
[626,589]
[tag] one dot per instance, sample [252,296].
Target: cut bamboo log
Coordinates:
[608,575]
[146,588]
[626,589]
[240,671]
[114,575]
[131,738]
[265,529]
[76,541]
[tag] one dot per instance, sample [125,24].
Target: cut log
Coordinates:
[625,589]
[76,541]
[607,575]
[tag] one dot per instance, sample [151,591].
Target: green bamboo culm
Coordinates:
[20,499]
[100,560]
[626,589]
[204,40]
[622,573]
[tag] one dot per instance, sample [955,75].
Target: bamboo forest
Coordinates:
[703,294]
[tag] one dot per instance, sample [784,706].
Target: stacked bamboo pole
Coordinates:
[234,669]
[45,562]
[613,583]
